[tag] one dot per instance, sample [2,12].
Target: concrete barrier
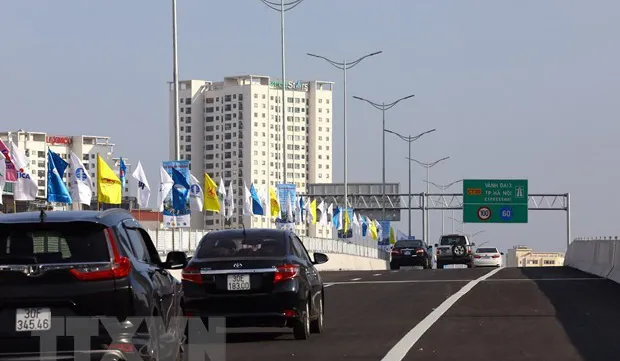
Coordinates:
[600,257]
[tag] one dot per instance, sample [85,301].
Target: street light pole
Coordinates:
[283,7]
[175,79]
[383,107]
[443,188]
[409,139]
[428,166]
[344,66]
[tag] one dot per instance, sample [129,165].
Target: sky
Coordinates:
[515,89]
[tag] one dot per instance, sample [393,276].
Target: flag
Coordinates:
[196,196]
[144,189]
[211,201]
[221,192]
[356,225]
[290,209]
[257,206]
[392,236]
[11,172]
[180,190]
[108,185]
[247,201]
[347,221]
[2,175]
[274,203]
[25,188]
[372,227]
[56,188]
[330,213]
[122,171]
[81,183]
[165,186]
[299,209]
[336,217]
[323,219]
[230,201]
[313,210]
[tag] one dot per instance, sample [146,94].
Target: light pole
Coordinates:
[443,189]
[383,107]
[428,166]
[283,7]
[459,221]
[344,66]
[409,139]
[175,79]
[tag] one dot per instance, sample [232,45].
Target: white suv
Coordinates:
[454,249]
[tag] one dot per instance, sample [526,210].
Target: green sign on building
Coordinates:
[495,201]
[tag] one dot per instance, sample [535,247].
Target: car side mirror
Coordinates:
[176,260]
[473,245]
[502,253]
[320,258]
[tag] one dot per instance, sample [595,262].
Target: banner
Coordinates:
[384,241]
[176,218]
[287,196]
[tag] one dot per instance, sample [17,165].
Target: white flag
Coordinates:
[25,189]
[221,192]
[2,175]
[323,219]
[357,229]
[289,208]
[165,186]
[230,201]
[196,195]
[330,213]
[247,201]
[81,182]
[308,212]
[144,189]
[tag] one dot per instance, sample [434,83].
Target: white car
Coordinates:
[488,257]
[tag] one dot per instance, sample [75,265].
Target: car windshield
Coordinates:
[72,242]
[212,247]
[486,250]
[413,243]
[452,240]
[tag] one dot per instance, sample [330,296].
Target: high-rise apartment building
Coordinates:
[36,144]
[233,129]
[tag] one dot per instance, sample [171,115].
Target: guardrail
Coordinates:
[187,240]
[597,256]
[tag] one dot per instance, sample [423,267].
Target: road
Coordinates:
[542,314]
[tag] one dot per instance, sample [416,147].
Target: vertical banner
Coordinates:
[287,196]
[176,218]
[349,233]
[384,241]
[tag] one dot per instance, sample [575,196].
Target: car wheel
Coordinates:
[301,330]
[440,265]
[316,326]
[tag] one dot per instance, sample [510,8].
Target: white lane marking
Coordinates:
[377,274]
[355,279]
[470,280]
[400,350]
[325,285]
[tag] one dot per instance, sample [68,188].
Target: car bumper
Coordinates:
[487,262]
[412,260]
[453,260]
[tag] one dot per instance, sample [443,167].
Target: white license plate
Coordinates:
[33,319]
[407,253]
[486,257]
[238,282]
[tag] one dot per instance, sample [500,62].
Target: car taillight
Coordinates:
[396,251]
[477,256]
[285,272]
[419,251]
[495,256]
[191,274]
[118,268]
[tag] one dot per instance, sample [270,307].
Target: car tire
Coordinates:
[440,265]
[394,266]
[301,329]
[316,326]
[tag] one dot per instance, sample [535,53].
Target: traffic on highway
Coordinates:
[91,285]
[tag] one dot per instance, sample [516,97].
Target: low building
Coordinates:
[523,256]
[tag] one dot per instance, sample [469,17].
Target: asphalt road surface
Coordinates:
[544,314]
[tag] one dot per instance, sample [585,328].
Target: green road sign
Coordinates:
[495,201]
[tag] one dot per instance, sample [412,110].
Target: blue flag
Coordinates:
[122,172]
[257,207]
[335,219]
[180,190]
[56,188]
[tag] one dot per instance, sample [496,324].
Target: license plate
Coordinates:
[407,253]
[486,257]
[238,282]
[33,319]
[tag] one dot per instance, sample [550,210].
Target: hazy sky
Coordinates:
[517,89]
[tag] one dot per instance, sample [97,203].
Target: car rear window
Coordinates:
[486,250]
[33,243]
[452,240]
[408,243]
[212,247]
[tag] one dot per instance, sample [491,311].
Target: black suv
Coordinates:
[89,282]
[411,252]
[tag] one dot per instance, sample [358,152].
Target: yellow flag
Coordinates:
[275,204]
[346,221]
[373,230]
[211,200]
[392,236]
[109,189]
[313,210]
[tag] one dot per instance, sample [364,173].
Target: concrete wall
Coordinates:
[599,257]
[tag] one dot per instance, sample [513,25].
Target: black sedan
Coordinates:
[411,252]
[256,278]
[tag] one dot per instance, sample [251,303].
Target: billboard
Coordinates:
[176,218]
[287,196]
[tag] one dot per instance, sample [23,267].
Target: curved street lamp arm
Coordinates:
[278,6]
[355,62]
[393,104]
[378,106]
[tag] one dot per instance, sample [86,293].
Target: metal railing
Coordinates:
[187,240]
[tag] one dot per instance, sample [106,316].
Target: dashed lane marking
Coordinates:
[355,279]
[400,350]
[377,274]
